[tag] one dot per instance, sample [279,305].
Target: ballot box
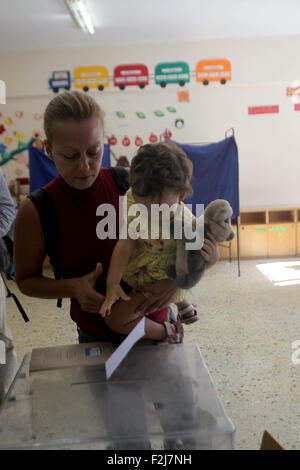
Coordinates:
[160,397]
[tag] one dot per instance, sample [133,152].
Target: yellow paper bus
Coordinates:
[213,70]
[95,76]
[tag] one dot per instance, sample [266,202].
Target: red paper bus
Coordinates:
[131,75]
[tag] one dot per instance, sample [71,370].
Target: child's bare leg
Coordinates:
[123,319]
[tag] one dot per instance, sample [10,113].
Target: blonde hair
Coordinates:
[70,105]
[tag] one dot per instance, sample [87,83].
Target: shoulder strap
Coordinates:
[120,175]
[49,221]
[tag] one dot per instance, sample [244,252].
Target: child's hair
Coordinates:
[74,105]
[160,166]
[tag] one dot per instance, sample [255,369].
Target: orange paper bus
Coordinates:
[213,70]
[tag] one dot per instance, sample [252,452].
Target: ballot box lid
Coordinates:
[160,396]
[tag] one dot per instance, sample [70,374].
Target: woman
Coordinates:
[74,130]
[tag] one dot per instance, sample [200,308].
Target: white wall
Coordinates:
[269,145]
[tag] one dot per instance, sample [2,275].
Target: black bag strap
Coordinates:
[17,302]
[49,221]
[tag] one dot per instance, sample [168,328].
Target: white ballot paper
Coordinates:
[121,352]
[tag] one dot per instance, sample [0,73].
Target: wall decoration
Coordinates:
[141,115]
[95,76]
[167,134]
[158,113]
[172,72]
[2,148]
[113,140]
[131,75]
[37,135]
[171,109]
[138,141]
[8,140]
[183,96]
[19,114]
[22,159]
[120,114]
[179,123]
[6,157]
[8,121]
[126,141]
[60,79]
[18,172]
[153,138]
[37,116]
[297,107]
[263,109]
[19,136]
[2,129]
[213,70]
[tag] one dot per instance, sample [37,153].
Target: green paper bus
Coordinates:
[172,72]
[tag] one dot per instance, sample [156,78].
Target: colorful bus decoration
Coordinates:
[60,79]
[213,70]
[95,76]
[172,72]
[131,75]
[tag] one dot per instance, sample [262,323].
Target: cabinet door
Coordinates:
[298,239]
[253,241]
[282,239]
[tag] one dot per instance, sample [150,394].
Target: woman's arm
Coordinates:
[29,255]
[118,264]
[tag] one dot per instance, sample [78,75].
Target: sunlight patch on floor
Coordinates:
[281,273]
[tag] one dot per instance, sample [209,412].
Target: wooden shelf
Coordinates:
[255,217]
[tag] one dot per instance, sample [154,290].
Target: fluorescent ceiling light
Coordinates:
[80,15]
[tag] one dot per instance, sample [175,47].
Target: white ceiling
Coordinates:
[34,24]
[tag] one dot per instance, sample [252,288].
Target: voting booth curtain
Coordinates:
[215,173]
[42,170]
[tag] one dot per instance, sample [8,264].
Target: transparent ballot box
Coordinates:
[160,397]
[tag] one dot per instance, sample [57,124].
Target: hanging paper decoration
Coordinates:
[95,76]
[167,134]
[153,138]
[6,157]
[263,109]
[172,72]
[138,142]
[19,136]
[8,121]
[60,79]
[2,148]
[179,123]
[131,75]
[213,70]
[183,96]
[171,109]
[19,114]
[8,140]
[159,113]
[2,129]
[120,114]
[141,115]
[126,141]
[113,140]
[37,116]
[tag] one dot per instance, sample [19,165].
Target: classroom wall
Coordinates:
[262,69]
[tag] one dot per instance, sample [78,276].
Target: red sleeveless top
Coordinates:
[81,249]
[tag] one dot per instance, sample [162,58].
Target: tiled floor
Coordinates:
[245,333]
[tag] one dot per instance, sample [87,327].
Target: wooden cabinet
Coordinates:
[253,241]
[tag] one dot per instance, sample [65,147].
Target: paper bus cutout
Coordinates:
[172,72]
[183,96]
[60,79]
[213,70]
[263,109]
[153,138]
[95,76]
[131,75]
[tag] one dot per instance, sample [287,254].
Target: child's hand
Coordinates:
[112,294]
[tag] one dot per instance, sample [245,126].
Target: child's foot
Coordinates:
[175,332]
[188,314]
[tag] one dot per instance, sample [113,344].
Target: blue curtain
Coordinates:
[42,170]
[215,173]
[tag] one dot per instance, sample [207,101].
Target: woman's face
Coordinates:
[77,150]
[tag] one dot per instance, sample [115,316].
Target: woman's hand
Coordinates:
[84,291]
[210,250]
[162,291]
[113,292]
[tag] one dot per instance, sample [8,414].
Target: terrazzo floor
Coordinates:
[245,333]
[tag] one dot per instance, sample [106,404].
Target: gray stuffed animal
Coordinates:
[190,264]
